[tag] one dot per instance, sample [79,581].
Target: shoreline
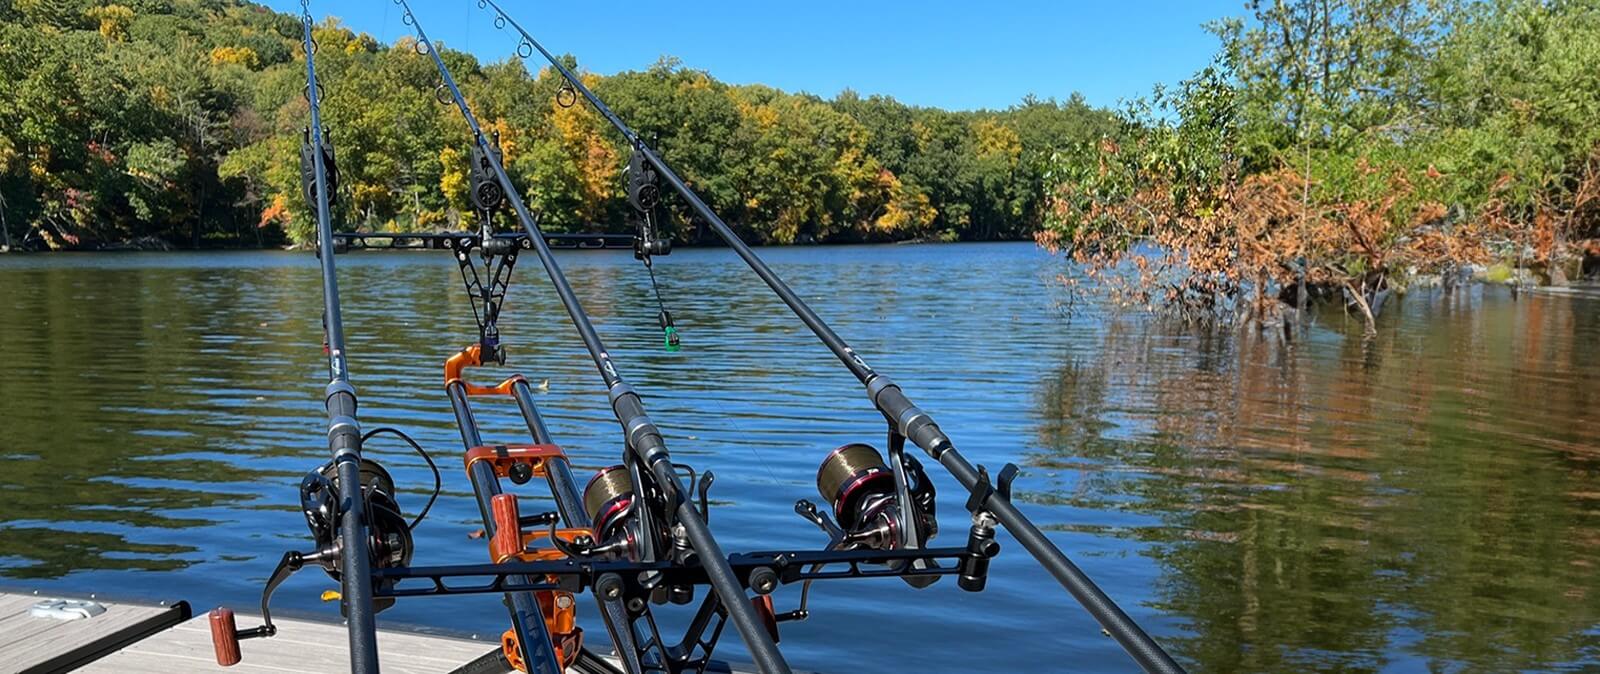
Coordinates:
[129,247]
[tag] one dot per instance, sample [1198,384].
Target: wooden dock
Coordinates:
[129,638]
[30,642]
[300,646]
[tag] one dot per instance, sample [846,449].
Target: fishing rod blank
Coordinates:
[642,436]
[344,432]
[905,418]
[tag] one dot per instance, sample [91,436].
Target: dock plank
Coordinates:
[300,646]
[27,642]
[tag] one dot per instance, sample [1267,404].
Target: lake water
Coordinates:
[1426,501]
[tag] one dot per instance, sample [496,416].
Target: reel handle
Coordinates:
[224,636]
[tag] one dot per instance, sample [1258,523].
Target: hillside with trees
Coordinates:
[178,122]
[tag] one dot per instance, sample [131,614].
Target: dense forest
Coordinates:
[1349,146]
[177,122]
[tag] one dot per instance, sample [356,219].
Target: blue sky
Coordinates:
[956,55]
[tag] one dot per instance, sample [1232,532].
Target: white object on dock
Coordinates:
[66,609]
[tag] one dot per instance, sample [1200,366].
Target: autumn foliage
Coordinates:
[1352,146]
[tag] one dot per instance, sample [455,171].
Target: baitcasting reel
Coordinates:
[390,544]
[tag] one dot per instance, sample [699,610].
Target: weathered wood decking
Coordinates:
[139,639]
[300,646]
[35,644]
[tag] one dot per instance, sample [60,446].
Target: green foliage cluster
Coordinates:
[1351,141]
[181,120]
[116,117]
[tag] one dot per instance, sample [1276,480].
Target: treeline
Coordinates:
[1350,145]
[179,121]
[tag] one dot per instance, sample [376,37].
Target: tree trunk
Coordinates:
[5,230]
[1558,258]
[1360,300]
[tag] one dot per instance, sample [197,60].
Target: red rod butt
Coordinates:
[764,611]
[224,636]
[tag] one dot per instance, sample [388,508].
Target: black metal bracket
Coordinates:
[978,500]
[625,590]
[579,576]
[499,257]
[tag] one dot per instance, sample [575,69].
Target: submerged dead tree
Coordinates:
[1346,147]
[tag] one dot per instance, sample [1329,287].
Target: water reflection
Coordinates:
[1425,501]
[1422,501]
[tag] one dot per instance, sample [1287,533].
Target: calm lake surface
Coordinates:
[1427,502]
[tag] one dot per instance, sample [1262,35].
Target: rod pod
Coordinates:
[904,418]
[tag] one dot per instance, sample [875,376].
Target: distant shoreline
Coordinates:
[163,247]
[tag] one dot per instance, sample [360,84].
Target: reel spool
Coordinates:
[391,544]
[609,501]
[860,487]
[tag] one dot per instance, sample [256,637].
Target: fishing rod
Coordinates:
[344,431]
[905,419]
[643,438]
[352,494]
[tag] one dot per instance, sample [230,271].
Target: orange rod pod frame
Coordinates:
[472,356]
[505,457]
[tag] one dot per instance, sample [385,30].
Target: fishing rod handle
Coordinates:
[908,419]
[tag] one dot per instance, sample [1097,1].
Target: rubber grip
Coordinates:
[224,636]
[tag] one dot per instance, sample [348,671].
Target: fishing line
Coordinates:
[438,483]
[753,447]
[669,330]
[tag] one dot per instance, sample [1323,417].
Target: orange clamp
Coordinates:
[472,356]
[503,457]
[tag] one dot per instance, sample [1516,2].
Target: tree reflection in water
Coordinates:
[1423,501]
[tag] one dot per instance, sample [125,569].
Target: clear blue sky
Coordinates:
[957,55]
